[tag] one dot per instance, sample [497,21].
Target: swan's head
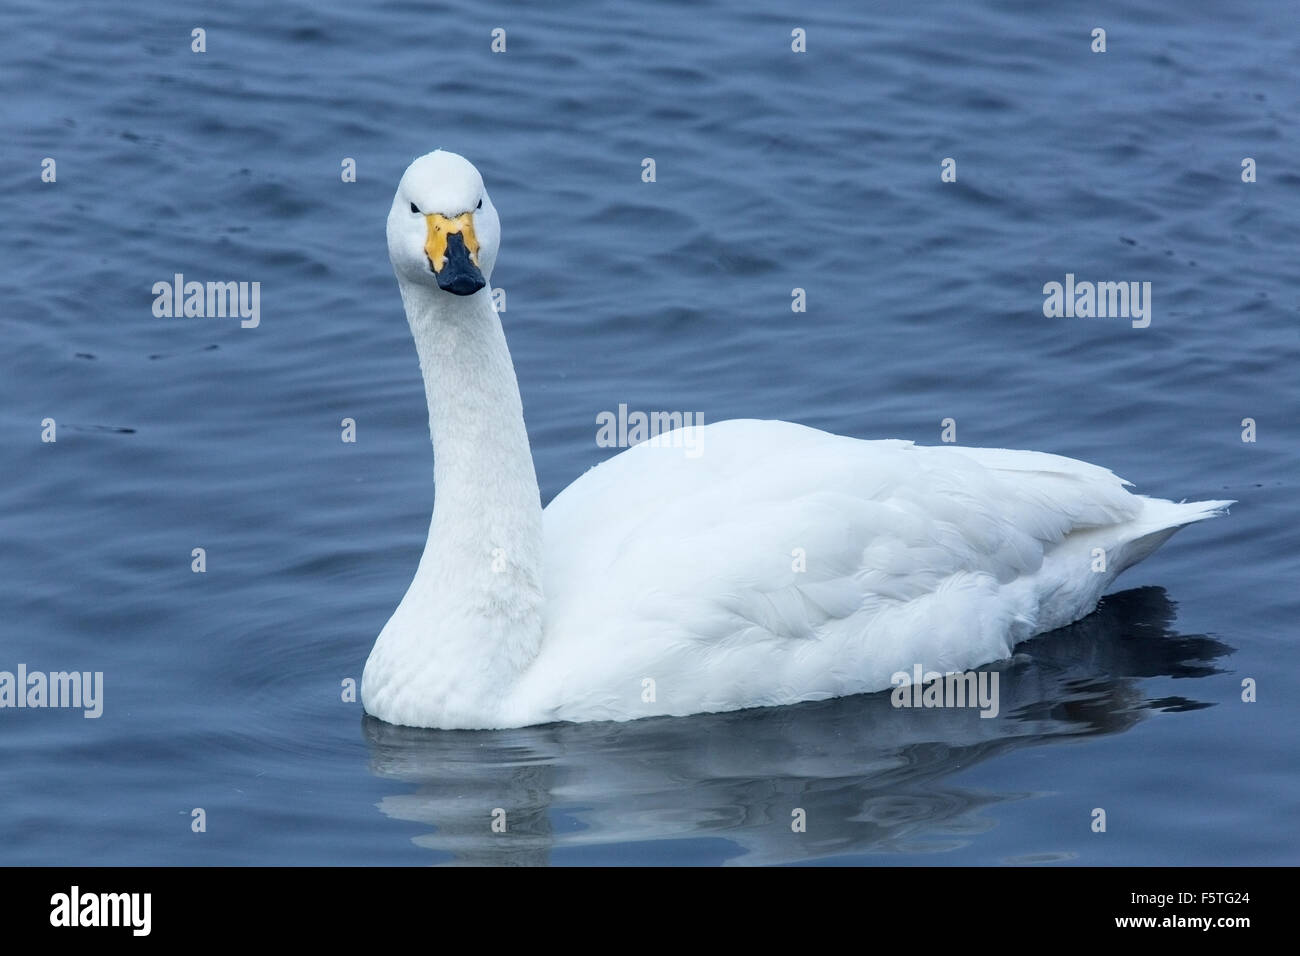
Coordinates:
[443,230]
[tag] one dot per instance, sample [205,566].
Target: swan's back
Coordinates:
[785,563]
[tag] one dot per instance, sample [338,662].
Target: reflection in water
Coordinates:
[869,776]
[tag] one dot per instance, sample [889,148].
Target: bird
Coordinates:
[737,564]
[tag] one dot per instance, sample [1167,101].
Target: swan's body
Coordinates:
[779,564]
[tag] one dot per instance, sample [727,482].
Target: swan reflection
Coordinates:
[870,777]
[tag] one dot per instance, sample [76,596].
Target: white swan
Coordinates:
[781,564]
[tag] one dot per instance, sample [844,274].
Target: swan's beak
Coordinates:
[452,249]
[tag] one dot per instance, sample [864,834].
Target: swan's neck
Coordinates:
[477,597]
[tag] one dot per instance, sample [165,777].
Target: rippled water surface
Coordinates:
[775,170]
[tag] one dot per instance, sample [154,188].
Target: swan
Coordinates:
[774,563]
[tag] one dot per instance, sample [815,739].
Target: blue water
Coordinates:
[774,170]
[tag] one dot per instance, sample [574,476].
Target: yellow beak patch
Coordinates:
[440,227]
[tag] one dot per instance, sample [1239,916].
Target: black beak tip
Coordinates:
[458,275]
[461,284]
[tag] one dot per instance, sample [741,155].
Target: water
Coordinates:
[774,171]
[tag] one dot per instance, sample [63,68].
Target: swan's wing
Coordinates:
[782,562]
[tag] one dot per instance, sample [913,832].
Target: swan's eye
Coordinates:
[480,204]
[415,209]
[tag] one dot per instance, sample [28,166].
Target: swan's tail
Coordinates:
[1157,523]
